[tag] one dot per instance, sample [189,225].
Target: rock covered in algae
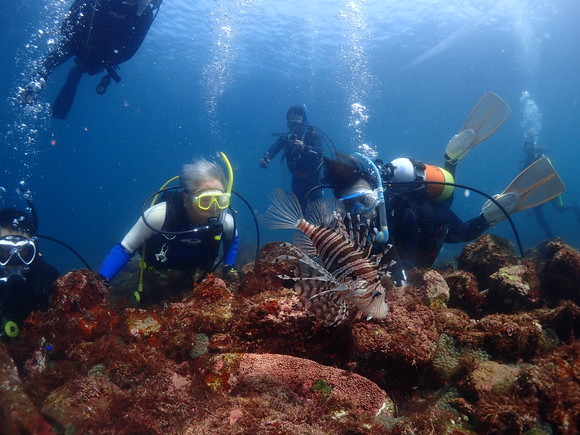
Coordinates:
[93,366]
[348,392]
[514,288]
[484,256]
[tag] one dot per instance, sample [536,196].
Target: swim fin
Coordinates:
[535,185]
[65,97]
[485,118]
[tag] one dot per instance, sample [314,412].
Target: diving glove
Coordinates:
[493,214]
[265,162]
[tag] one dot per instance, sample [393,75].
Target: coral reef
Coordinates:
[488,348]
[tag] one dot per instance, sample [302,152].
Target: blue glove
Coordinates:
[116,260]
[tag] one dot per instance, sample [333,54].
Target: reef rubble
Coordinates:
[486,346]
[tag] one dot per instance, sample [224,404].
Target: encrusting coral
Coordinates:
[488,348]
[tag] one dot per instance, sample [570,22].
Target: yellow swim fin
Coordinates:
[535,185]
[485,118]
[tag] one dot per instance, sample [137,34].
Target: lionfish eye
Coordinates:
[377,294]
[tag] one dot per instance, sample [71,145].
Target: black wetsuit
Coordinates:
[19,298]
[304,163]
[100,34]
[419,227]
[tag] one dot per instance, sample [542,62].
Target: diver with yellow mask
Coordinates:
[184,231]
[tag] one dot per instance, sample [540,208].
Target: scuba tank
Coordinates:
[406,171]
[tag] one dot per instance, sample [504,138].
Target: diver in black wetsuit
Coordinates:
[534,151]
[303,151]
[25,278]
[100,35]
[419,218]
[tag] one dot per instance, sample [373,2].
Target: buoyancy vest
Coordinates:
[198,249]
[419,237]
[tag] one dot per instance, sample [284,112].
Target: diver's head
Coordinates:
[296,119]
[15,221]
[353,185]
[204,195]
[359,198]
[344,171]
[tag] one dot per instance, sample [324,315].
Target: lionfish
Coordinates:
[346,275]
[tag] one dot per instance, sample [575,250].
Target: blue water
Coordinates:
[400,77]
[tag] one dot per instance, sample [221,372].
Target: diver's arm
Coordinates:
[460,231]
[140,232]
[119,256]
[276,148]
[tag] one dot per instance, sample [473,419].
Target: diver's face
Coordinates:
[360,199]
[362,203]
[195,213]
[295,123]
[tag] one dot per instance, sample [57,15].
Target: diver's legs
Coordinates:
[539,214]
[300,187]
[66,96]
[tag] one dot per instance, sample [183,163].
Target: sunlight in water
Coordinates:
[218,73]
[30,120]
[531,116]
[354,76]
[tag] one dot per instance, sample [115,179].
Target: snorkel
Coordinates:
[230,172]
[383,234]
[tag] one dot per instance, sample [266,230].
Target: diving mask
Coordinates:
[364,201]
[206,199]
[19,247]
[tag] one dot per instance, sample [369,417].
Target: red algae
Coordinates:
[488,348]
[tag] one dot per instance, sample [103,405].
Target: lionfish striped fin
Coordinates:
[327,306]
[306,265]
[341,289]
[321,212]
[284,212]
[345,274]
[303,242]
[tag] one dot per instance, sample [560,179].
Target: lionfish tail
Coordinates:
[284,212]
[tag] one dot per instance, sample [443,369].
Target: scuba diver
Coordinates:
[534,151]
[25,278]
[303,152]
[358,190]
[416,212]
[419,219]
[100,35]
[185,230]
